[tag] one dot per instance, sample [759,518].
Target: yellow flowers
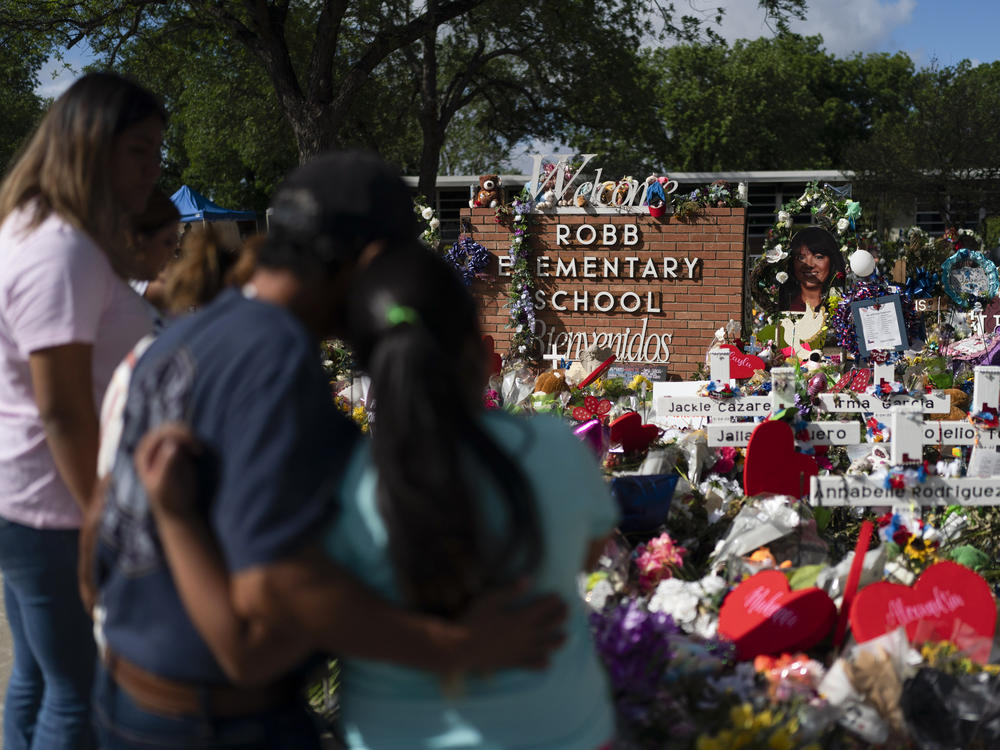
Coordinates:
[945,656]
[920,551]
[360,417]
[638,381]
[763,730]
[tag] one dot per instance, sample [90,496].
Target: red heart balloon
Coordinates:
[629,431]
[948,602]
[772,463]
[764,616]
[742,365]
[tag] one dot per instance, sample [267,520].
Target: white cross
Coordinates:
[554,358]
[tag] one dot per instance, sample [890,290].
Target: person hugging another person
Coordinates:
[816,263]
[210,601]
[446,504]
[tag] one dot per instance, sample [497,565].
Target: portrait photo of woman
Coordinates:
[815,263]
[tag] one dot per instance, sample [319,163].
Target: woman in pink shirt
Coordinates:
[66,318]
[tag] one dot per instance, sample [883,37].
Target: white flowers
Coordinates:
[427,213]
[741,191]
[681,600]
[781,277]
[597,597]
[775,254]
[435,222]
[674,597]
[842,225]
[785,218]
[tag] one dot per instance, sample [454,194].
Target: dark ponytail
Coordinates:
[414,329]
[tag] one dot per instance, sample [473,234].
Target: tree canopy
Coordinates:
[378,73]
[777,103]
[942,151]
[20,62]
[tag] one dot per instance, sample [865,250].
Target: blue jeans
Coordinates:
[48,697]
[123,725]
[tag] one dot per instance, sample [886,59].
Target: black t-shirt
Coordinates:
[246,376]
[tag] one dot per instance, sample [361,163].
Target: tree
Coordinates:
[942,151]
[20,62]
[318,56]
[777,103]
[226,134]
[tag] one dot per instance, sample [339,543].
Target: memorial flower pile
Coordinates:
[739,604]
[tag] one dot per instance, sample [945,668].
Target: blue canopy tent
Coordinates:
[196,207]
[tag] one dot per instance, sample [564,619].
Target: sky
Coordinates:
[948,31]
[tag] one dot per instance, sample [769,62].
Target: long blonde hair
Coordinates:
[65,167]
[207,264]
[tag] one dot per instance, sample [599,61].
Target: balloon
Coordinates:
[862,263]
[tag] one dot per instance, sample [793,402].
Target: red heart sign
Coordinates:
[592,408]
[764,616]
[948,602]
[742,365]
[772,463]
[632,434]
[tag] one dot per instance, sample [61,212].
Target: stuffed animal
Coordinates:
[551,382]
[959,405]
[548,201]
[489,195]
[606,193]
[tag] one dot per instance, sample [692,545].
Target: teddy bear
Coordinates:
[548,201]
[960,401]
[489,195]
[551,382]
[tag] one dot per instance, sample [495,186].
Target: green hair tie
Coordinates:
[397,314]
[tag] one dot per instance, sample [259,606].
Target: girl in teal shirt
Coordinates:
[449,500]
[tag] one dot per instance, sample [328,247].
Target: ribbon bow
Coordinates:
[922,284]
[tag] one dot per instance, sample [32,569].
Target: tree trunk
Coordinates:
[315,129]
[430,118]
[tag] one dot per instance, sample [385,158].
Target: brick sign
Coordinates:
[653,290]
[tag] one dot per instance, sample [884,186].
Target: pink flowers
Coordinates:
[726,460]
[657,559]
[491,399]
